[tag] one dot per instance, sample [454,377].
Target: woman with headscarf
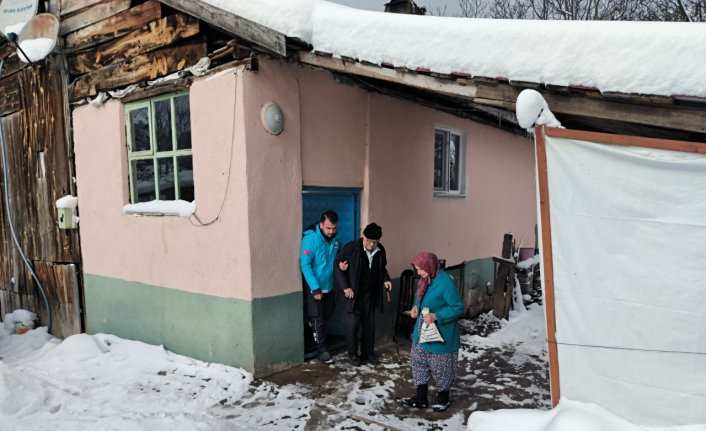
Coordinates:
[438,359]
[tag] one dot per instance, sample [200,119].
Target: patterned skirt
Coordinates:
[441,366]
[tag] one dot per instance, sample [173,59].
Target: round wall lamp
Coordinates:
[272,118]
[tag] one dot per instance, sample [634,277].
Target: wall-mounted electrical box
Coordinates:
[67,218]
[66,212]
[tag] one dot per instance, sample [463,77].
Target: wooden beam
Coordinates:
[139,68]
[92,15]
[650,111]
[423,82]
[643,110]
[115,26]
[670,116]
[632,141]
[71,6]
[233,24]
[547,265]
[156,34]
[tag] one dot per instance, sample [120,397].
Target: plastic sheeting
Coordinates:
[628,228]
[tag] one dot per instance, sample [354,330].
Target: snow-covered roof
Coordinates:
[655,58]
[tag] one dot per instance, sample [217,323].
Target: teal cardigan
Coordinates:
[442,298]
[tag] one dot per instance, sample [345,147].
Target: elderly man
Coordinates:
[362,281]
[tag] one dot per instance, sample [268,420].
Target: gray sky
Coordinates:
[379,5]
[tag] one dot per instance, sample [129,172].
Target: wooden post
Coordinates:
[547,264]
[501,305]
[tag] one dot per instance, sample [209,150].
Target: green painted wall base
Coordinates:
[261,336]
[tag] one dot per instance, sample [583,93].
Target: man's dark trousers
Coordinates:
[318,312]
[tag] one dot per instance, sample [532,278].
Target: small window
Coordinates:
[159,149]
[448,162]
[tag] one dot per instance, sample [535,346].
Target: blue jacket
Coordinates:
[316,260]
[442,298]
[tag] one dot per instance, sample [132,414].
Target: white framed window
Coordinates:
[159,154]
[449,158]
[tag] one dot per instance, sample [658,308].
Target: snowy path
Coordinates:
[102,382]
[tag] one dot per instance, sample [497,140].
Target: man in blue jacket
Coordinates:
[318,251]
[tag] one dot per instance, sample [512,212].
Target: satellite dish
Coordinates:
[38,37]
[15,13]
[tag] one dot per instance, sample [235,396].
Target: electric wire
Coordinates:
[5,169]
[230,165]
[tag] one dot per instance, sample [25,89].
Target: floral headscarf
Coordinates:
[429,263]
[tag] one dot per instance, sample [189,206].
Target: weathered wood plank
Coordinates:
[156,34]
[115,26]
[9,95]
[71,6]
[258,34]
[671,117]
[12,65]
[92,15]
[41,165]
[61,285]
[422,82]
[142,67]
[39,159]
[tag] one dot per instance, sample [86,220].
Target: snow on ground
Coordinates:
[103,382]
[108,383]
[569,415]
[660,58]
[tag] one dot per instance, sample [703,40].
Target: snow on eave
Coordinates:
[643,58]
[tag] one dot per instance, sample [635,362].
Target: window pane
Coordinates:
[166,179]
[183,122]
[139,122]
[186,178]
[143,181]
[454,162]
[439,161]
[163,119]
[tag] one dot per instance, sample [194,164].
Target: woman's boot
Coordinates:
[442,401]
[420,400]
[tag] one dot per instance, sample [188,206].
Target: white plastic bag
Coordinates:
[429,332]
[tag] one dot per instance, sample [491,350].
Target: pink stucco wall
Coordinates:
[333,130]
[169,251]
[386,146]
[274,181]
[500,195]
[335,135]
[348,137]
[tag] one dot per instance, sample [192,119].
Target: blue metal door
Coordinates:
[346,202]
[316,200]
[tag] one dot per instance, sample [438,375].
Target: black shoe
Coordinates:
[415,402]
[442,401]
[440,407]
[326,358]
[373,359]
[355,360]
[419,401]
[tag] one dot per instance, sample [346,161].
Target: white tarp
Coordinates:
[628,228]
